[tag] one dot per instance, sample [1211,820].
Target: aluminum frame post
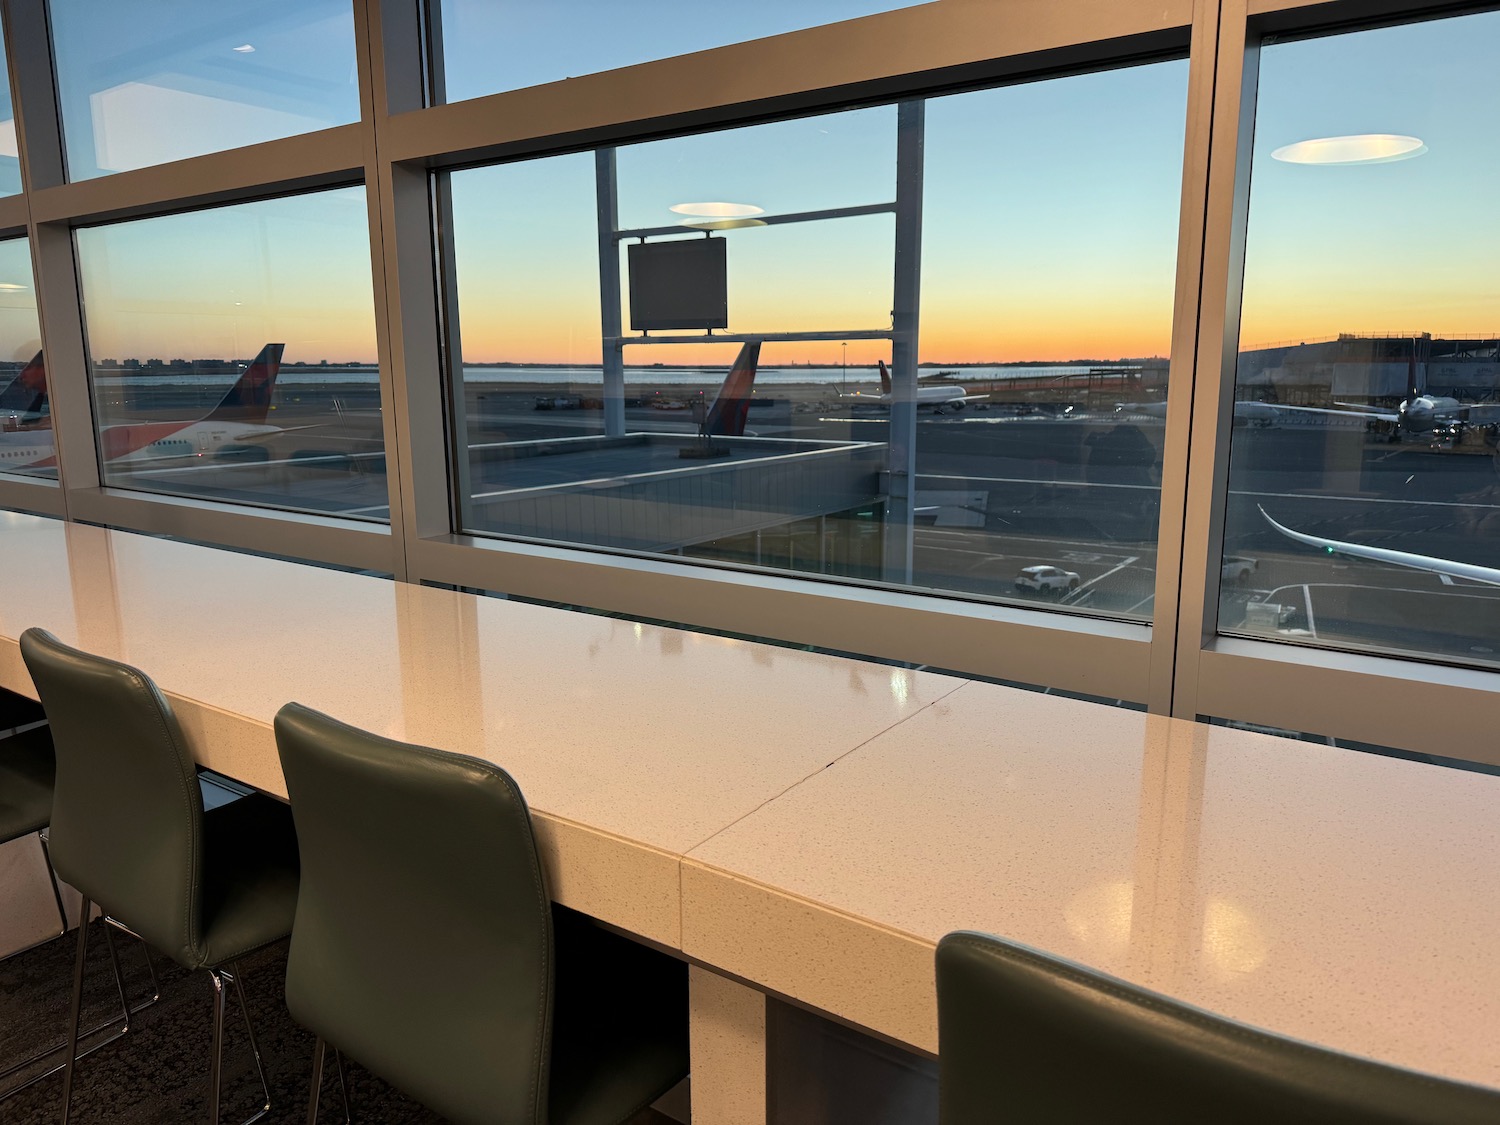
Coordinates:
[905,318]
[607,186]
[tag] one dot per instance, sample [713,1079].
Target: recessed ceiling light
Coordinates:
[722,224]
[11,285]
[1363,148]
[718,210]
[244,49]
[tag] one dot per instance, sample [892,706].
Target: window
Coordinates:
[25,411]
[487,46]
[1364,493]
[223,75]
[1019,459]
[10,153]
[233,354]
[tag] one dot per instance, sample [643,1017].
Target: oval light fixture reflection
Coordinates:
[1364,148]
[722,224]
[10,285]
[718,210]
[243,49]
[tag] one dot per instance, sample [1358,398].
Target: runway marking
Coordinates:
[1107,573]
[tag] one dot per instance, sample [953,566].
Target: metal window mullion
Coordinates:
[1218,341]
[950,42]
[54,264]
[1171,562]
[406,270]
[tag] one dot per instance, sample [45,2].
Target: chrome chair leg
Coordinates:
[127,1010]
[62,914]
[216,1057]
[338,1062]
[260,1070]
[70,1063]
[320,1049]
[216,1066]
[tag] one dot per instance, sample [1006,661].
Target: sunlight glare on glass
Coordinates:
[718,210]
[1363,148]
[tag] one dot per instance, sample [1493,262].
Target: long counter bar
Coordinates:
[632,743]
[813,825]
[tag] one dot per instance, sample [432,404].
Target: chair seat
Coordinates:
[27,768]
[250,878]
[618,1035]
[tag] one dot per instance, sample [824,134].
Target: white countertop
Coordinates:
[814,824]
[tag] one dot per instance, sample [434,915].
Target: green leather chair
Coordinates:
[1027,1037]
[27,769]
[129,831]
[427,948]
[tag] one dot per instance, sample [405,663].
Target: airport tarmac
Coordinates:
[1004,492]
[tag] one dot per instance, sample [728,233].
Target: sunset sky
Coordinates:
[1049,229]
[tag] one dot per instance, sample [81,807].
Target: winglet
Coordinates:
[250,398]
[726,417]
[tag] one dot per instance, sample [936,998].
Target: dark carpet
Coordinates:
[159,1071]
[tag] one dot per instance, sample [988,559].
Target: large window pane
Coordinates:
[10,154]
[222,75]
[492,45]
[233,354]
[1019,460]
[1364,502]
[25,413]
[1050,244]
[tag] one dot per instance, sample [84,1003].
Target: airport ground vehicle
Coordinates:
[1238,568]
[1047,580]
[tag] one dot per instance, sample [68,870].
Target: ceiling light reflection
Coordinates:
[718,210]
[722,224]
[1364,148]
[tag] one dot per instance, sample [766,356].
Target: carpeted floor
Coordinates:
[159,1072]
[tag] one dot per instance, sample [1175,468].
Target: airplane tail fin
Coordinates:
[726,417]
[250,398]
[885,379]
[27,392]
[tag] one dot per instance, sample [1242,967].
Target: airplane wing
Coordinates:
[1487,575]
[1341,411]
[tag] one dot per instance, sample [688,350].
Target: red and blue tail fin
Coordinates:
[250,398]
[885,379]
[726,417]
[27,392]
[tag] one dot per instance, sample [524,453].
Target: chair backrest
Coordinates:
[1024,1036]
[127,814]
[422,944]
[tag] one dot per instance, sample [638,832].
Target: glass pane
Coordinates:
[1050,245]
[233,354]
[493,45]
[25,414]
[224,76]
[1364,502]
[10,154]
[1026,463]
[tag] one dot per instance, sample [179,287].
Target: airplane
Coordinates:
[23,401]
[731,406]
[239,417]
[942,398]
[1447,568]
